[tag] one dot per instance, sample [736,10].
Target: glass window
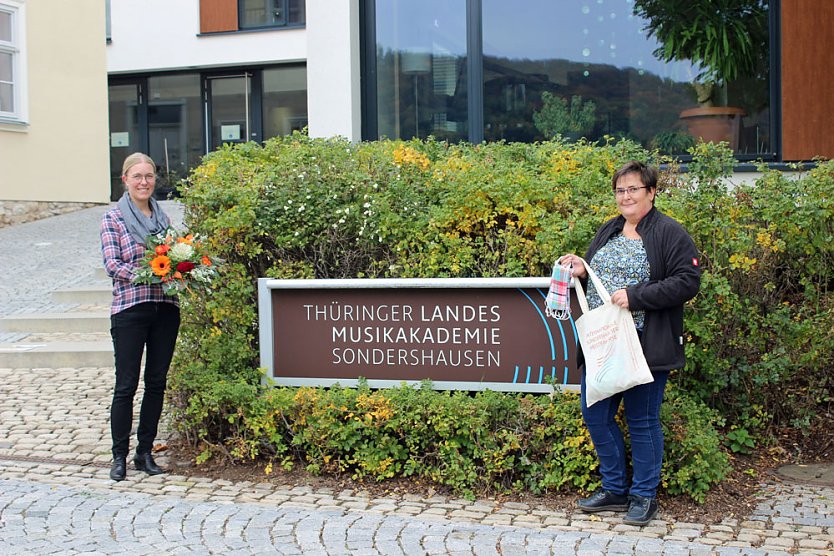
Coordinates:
[230,102]
[284,100]
[421,69]
[124,131]
[9,52]
[270,13]
[175,127]
[591,68]
[5,26]
[107,25]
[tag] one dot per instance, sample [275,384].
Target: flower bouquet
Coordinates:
[176,260]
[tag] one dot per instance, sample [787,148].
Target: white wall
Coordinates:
[153,35]
[333,92]
[61,154]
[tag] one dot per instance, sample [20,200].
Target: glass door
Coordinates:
[175,131]
[125,125]
[229,110]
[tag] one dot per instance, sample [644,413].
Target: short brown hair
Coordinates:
[648,174]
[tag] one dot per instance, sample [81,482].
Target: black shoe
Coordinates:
[641,510]
[145,462]
[604,501]
[118,471]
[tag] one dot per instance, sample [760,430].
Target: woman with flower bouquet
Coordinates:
[143,316]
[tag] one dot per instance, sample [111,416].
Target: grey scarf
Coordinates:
[139,225]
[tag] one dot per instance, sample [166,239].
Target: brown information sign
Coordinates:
[468,334]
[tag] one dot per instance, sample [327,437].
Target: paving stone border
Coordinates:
[56,496]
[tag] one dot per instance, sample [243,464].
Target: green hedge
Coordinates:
[298,207]
[480,442]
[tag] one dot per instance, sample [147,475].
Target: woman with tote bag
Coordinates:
[649,263]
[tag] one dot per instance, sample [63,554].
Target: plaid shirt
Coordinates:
[121,256]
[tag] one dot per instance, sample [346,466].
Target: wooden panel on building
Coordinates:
[218,15]
[807,79]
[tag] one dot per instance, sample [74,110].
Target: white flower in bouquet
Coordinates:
[181,251]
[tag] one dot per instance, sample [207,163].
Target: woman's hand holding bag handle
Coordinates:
[614,360]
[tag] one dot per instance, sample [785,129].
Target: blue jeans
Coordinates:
[642,414]
[152,328]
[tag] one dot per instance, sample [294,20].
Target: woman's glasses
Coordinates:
[140,177]
[629,190]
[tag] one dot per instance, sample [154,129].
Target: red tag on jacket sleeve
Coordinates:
[694,261]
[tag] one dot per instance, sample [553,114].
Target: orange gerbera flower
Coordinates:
[206,261]
[187,239]
[161,265]
[162,249]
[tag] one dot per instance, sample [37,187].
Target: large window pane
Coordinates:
[230,98]
[124,131]
[421,69]
[175,127]
[284,101]
[587,69]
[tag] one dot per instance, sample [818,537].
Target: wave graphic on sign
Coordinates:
[549,332]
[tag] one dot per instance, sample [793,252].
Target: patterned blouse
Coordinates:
[619,263]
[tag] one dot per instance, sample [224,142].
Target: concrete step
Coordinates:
[81,321]
[95,294]
[57,355]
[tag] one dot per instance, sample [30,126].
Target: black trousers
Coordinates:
[150,327]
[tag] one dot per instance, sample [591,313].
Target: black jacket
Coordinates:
[675,276]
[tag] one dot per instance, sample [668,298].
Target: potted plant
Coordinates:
[724,38]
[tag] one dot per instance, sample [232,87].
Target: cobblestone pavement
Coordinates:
[56,497]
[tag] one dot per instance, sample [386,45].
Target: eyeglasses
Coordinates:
[140,177]
[629,190]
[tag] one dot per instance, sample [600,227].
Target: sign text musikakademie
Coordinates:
[398,328]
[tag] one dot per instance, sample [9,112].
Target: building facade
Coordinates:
[53,98]
[219,71]
[179,79]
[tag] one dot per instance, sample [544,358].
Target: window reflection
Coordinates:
[587,69]
[421,69]
[174,127]
[284,101]
[579,68]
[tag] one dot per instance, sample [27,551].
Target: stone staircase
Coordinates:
[76,337]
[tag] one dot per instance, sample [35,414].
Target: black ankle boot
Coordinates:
[118,471]
[145,462]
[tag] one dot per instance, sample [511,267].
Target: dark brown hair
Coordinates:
[648,174]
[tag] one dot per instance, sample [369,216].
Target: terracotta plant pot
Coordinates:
[714,123]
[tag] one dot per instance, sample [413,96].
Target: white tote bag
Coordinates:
[614,360]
